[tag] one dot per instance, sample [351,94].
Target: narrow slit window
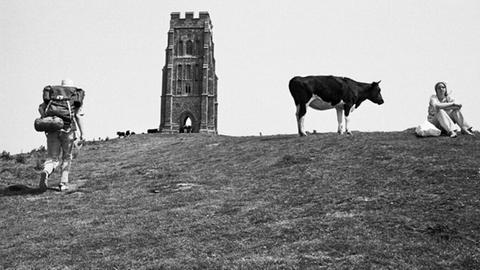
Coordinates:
[179,72]
[180,48]
[189,47]
[188,73]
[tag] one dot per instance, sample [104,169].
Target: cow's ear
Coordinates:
[379,82]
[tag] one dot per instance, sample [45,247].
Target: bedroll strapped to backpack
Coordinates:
[61,101]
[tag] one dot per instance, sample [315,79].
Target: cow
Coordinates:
[328,92]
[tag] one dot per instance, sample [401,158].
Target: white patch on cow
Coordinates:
[319,104]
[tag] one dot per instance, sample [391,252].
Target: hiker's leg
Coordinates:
[67,140]
[53,152]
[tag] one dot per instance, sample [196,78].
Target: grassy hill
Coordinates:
[195,201]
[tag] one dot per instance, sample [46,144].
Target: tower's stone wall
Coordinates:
[189,88]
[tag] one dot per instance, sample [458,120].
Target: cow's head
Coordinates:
[374,93]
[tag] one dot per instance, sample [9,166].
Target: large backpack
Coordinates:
[62,101]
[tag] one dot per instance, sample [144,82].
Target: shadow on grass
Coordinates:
[19,190]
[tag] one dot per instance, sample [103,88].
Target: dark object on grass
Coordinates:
[18,190]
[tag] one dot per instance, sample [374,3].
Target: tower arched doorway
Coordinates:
[188,123]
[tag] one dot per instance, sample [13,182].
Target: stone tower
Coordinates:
[189,85]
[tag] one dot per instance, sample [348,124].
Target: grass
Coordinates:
[380,200]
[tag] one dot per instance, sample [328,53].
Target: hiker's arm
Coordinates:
[80,123]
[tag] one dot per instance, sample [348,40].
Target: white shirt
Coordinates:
[432,106]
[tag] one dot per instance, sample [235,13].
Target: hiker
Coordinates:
[61,102]
[444,112]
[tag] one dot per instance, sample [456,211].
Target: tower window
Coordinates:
[188,89]
[189,47]
[180,48]
[179,72]
[188,72]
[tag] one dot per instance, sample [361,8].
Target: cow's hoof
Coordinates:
[302,134]
[348,132]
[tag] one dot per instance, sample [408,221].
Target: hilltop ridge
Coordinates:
[371,200]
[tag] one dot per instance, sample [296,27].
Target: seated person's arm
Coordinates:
[444,105]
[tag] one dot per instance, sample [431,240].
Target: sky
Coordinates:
[115,51]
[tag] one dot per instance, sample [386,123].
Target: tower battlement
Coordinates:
[188,19]
[189,15]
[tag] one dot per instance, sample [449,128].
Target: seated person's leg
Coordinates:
[445,122]
[457,117]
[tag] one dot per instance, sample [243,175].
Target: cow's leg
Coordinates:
[348,110]
[301,111]
[347,120]
[339,119]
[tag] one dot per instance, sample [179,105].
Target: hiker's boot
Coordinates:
[63,187]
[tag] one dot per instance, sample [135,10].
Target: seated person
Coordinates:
[444,112]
